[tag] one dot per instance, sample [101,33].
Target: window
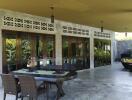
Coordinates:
[102,52]
[76,51]
[19,47]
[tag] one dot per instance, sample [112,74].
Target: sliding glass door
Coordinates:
[76,51]
[102,52]
[19,47]
[26,48]
[10,52]
[46,49]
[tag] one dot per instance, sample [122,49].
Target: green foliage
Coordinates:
[11,50]
[102,55]
[26,50]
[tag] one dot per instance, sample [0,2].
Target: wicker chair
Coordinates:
[10,84]
[29,87]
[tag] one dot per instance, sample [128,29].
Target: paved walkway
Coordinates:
[104,83]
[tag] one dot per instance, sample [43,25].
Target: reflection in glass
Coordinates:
[19,47]
[50,47]
[65,48]
[11,53]
[11,50]
[80,49]
[73,49]
[102,52]
[46,50]
[26,50]
[40,48]
[76,51]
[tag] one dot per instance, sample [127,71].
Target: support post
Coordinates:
[58,46]
[112,47]
[0,56]
[91,49]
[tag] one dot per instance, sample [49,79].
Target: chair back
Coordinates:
[9,83]
[28,86]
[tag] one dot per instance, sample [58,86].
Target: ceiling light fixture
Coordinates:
[102,28]
[52,14]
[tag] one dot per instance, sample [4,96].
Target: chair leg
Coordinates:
[36,98]
[21,97]
[16,96]
[47,91]
[4,95]
[30,98]
[50,85]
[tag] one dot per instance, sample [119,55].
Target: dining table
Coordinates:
[49,76]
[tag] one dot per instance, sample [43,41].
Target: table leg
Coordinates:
[47,90]
[60,91]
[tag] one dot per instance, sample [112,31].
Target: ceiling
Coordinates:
[115,14]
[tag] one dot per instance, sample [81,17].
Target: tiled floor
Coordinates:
[105,83]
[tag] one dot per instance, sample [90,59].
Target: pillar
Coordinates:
[0,56]
[58,46]
[91,49]
[112,47]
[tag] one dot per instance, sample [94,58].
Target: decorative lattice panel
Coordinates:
[26,23]
[73,30]
[102,35]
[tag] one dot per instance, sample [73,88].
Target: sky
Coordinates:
[122,36]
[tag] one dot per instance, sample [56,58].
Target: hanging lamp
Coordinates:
[52,14]
[102,28]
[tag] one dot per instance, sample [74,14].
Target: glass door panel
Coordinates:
[50,49]
[40,47]
[86,54]
[102,52]
[65,48]
[76,51]
[10,52]
[49,46]
[79,53]
[46,49]
[26,50]
[19,47]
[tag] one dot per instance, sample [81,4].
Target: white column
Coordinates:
[115,50]
[112,47]
[91,49]
[0,56]
[58,46]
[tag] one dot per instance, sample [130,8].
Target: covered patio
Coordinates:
[68,46]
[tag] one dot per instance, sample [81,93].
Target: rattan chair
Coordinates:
[29,87]
[10,85]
